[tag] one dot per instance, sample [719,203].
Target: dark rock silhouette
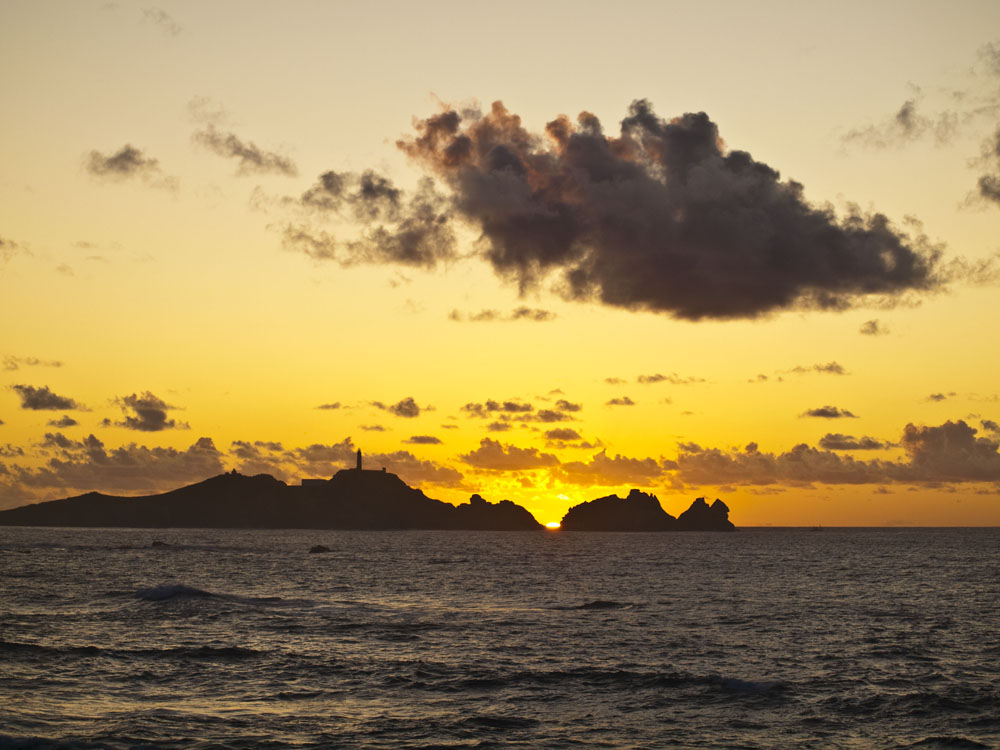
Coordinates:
[642,512]
[351,499]
[704,517]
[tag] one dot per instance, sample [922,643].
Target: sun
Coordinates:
[553,525]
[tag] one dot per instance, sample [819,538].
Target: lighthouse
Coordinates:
[359,459]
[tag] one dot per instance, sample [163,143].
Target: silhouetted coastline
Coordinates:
[351,499]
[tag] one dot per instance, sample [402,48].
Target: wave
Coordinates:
[596,604]
[196,652]
[171,591]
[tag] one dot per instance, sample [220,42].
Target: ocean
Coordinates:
[766,638]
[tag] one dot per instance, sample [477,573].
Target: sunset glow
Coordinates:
[764,271]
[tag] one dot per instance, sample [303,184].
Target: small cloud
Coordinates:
[491,316]
[407,408]
[873,328]
[614,381]
[65,270]
[564,405]
[423,440]
[66,421]
[373,428]
[13,363]
[334,405]
[146,413]
[251,158]
[42,399]
[834,441]
[563,434]
[162,19]
[126,163]
[989,425]
[940,396]
[828,412]
[623,401]
[498,427]
[673,378]
[830,368]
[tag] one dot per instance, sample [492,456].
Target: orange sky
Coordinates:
[748,254]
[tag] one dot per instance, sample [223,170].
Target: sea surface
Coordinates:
[784,638]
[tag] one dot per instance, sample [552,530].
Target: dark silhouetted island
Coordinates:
[351,499]
[642,512]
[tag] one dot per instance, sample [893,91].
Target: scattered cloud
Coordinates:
[126,163]
[328,407]
[373,428]
[423,440]
[659,218]
[86,465]
[989,183]
[873,328]
[673,378]
[162,19]
[990,426]
[947,453]
[604,471]
[830,368]
[487,409]
[8,248]
[251,159]
[614,381]
[146,413]
[834,441]
[42,399]
[564,405]
[15,363]
[414,229]
[499,427]
[489,316]
[940,396]
[905,125]
[65,421]
[492,455]
[828,412]
[621,401]
[407,408]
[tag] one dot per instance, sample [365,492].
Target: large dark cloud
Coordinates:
[660,217]
[42,399]
[251,159]
[126,163]
[146,413]
[412,229]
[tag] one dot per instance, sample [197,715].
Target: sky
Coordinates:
[539,252]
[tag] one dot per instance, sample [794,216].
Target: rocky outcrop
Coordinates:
[642,512]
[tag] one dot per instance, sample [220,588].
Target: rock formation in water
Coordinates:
[351,499]
[642,512]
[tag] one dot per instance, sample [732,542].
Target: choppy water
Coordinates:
[242,639]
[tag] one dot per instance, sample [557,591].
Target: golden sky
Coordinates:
[746,251]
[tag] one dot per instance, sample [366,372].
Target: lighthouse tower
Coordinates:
[359,459]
